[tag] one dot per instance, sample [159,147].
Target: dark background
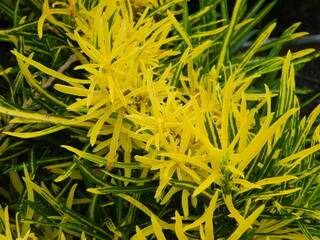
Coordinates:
[287,12]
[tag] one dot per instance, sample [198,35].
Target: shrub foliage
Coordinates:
[142,120]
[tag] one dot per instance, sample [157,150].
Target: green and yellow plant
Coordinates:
[158,125]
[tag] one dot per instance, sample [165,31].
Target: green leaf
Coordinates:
[246,224]
[227,39]
[305,230]
[6,10]
[43,117]
[256,45]
[39,89]
[64,210]
[14,155]
[88,175]
[40,162]
[245,30]
[190,186]
[67,172]
[269,195]
[37,133]
[101,160]
[125,190]
[47,70]
[287,88]
[129,179]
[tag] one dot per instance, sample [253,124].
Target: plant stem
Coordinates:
[73,58]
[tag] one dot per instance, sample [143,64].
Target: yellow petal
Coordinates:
[209,216]
[115,140]
[275,180]
[246,183]
[180,29]
[97,127]
[246,224]
[49,71]
[157,228]
[206,183]
[178,227]
[234,213]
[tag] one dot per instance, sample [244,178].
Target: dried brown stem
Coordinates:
[73,58]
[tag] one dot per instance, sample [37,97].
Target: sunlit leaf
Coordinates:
[246,224]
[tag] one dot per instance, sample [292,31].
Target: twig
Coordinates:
[73,58]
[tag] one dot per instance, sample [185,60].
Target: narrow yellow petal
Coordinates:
[302,154]
[246,224]
[16,181]
[202,234]
[157,228]
[146,210]
[40,89]
[127,159]
[180,29]
[260,139]
[37,133]
[45,9]
[169,194]
[209,32]
[49,71]
[225,46]
[95,132]
[178,227]
[88,49]
[206,183]
[198,115]
[81,92]
[43,117]
[256,45]
[246,183]
[185,202]
[115,140]
[196,223]
[209,216]
[142,233]
[139,234]
[275,180]
[234,170]
[188,159]
[234,213]
[269,195]
[225,125]
[152,94]
[83,236]
[70,197]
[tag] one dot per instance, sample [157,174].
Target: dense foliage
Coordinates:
[139,120]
